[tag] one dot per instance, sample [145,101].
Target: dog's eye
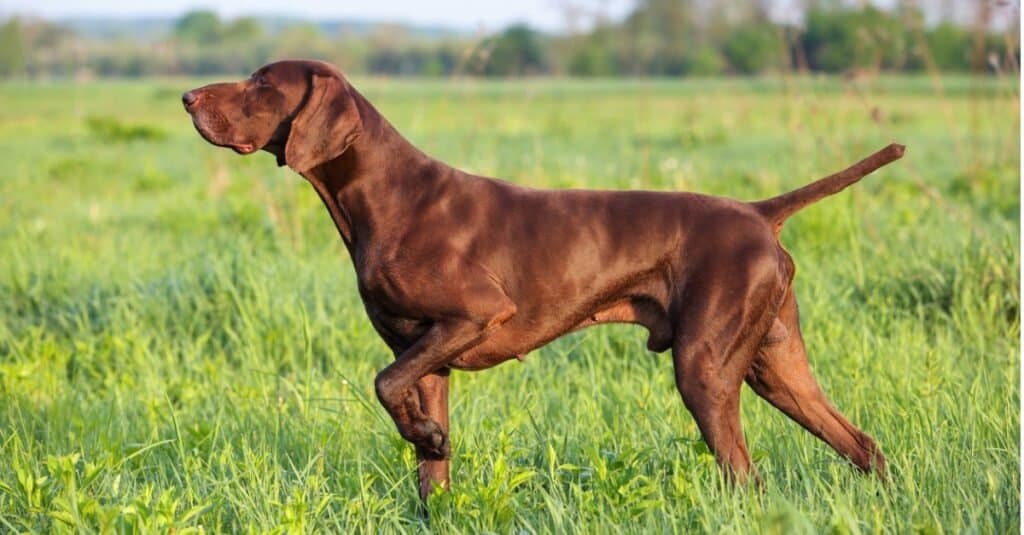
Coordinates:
[259,80]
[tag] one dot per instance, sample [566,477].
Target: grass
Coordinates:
[182,346]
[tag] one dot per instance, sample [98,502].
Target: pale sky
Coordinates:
[470,15]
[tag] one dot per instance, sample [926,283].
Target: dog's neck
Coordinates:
[380,175]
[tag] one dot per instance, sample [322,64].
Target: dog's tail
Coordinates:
[778,209]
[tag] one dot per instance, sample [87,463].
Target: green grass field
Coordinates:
[182,347]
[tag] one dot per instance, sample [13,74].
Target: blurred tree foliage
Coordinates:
[837,40]
[517,51]
[658,38]
[12,48]
[753,48]
[200,27]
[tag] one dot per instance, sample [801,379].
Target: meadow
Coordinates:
[182,348]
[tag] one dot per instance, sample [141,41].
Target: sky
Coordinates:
[469,15]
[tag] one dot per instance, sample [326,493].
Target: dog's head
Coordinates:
[304,112]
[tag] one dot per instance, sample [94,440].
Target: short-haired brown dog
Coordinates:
[464,272]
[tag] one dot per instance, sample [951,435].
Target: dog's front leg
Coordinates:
[398,385]
[433,394]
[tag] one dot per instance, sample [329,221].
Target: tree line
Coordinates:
[658,38]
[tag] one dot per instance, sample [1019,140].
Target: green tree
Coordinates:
[517,51]
[837,38]
[243,30]
[949,46]
[300,40]
[754,48]
[704,60]
[594,54]
[201,27]
[12,48]
[658,37]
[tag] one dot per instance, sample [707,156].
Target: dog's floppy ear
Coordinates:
[325,126]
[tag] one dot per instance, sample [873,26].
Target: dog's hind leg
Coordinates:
[721,323]
[781,374]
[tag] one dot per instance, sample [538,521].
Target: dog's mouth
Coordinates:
[242,148]
[214,129]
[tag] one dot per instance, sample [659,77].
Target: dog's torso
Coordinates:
[593,257]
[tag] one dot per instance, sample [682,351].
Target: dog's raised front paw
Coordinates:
[430,439]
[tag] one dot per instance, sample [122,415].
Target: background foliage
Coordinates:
[658,38]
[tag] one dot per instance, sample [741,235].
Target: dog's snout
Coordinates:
[189,98]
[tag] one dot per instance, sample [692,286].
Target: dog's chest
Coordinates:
[398,331]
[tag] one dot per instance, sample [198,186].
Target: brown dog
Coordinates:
[464,272]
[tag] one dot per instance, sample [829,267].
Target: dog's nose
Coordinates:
[189,98]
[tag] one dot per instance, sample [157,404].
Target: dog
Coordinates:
[464,272]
